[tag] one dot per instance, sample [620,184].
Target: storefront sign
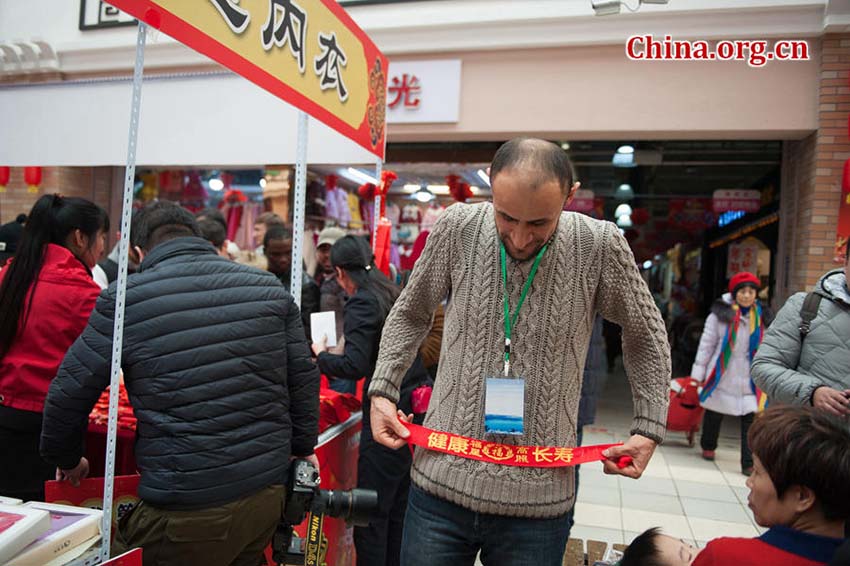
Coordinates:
[734,199]
[693,214]
[423,91]
[310,53]
[582,202]
[97,14]
[743,256]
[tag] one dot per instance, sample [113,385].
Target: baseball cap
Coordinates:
[330,236]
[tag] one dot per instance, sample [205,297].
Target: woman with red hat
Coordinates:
[730,338]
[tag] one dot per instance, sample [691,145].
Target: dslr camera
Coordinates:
[303,497]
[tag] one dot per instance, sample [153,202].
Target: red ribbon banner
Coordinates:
[505,454]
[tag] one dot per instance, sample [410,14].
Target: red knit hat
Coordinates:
[744,278]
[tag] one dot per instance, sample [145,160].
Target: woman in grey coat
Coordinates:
[810,369]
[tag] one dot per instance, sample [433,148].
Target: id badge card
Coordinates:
[504,405]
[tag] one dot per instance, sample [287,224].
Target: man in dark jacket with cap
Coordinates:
[220,378]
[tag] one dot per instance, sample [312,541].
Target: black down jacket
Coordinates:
[218,372]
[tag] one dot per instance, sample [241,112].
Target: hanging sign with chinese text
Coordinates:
[310,53]
[725,200]
[743,256]
[423,91]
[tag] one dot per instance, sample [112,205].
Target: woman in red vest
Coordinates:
[46,295]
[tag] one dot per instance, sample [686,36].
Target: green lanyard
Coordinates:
[510,321]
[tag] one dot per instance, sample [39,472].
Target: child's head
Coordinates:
[651,548]
[801,471]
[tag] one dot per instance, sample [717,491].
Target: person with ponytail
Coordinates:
[731,336]
[371,296]
[46,295]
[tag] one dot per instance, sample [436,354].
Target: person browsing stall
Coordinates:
[46,296]
[383,469]
[220,378]
[526,281]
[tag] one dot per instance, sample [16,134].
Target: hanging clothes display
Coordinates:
[356,220]
[245,235]
[430,217]
[232,207]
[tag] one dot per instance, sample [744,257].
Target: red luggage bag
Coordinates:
[685,412]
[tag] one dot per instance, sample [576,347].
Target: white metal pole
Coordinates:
[120,293]
[298,206]
[379,167]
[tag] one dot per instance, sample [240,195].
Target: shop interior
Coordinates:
[660,193]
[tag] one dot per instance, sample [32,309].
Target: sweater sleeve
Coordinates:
[623,297]
[82,377]
[362,326]
[774,368]
[302,380]
[707,347]
[412,315]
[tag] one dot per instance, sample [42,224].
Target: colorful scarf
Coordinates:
[756,327]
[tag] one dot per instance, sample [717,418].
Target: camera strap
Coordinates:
[314,550]
[507,454]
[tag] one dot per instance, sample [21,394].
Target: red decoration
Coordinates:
[32,177]
[367,191]
[330,182]
[387,179]
[640,216]
[459,190]
[5,173]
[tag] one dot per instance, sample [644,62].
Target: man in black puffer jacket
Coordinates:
[219,374]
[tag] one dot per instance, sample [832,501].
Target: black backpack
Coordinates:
[808,312]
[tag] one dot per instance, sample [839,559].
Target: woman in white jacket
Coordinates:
[732,334]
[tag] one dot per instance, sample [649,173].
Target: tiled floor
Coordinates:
[686,496]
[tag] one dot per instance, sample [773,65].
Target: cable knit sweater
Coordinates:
[587,269]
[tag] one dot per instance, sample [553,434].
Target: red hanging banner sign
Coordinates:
[310,53]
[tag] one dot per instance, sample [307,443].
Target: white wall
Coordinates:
[597,93]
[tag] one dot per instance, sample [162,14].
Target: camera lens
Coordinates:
[356,506]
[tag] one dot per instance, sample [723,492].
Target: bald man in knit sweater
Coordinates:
[515,515]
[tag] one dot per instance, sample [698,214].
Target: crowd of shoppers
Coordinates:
[218,366]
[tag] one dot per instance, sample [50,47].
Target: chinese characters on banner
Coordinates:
[310,53]
[479,449]
[743,256]
[725,200]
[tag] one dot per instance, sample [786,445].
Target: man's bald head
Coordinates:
[540,160]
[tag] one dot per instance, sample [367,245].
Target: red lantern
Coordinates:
[5,173]
[32,177]
[640,216]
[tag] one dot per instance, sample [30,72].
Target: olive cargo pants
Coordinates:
[232,534]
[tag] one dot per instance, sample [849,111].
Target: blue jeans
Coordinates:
[439,533]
